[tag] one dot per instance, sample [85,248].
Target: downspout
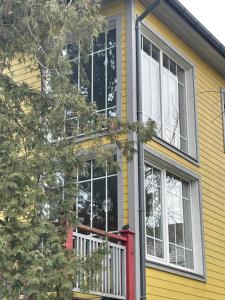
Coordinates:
[140,147]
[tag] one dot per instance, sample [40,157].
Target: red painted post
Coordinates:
[69,239]
[130,263]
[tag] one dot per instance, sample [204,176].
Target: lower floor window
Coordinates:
[168,218]
[97,201]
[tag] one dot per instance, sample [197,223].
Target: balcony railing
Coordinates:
[115,274]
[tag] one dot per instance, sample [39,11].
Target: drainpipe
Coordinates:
[140,147]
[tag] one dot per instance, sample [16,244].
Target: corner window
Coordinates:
[168,95]
[97,204]
[170,221]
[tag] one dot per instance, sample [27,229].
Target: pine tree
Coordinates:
[39,151]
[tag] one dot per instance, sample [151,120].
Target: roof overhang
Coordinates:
[174,15]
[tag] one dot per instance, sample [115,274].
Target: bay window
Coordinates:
[168,94]
[171,223]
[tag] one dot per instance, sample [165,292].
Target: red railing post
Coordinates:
[130,262]
[69,239]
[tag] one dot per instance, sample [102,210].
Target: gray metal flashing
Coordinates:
[175,271]
[169,163]
[176,150]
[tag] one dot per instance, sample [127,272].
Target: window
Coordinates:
[97,202]
[99,82]
[168,94]
[170,221]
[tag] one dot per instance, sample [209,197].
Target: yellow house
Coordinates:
[164,65]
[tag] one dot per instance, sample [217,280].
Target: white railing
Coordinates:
[108,279]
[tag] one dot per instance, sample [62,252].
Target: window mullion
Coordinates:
[161,87]
[106,74]
[91,216]
[106,199]
[165,217]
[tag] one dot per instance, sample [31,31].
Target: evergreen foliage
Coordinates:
[38,157]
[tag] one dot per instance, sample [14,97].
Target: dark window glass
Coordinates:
[98,170]
[99,42]
[112,204]
[85,172]
[84,203]
[173,67]
[111,38]
[99,204]
[111,78]
[165,61]
[146,46]
[155,53]
[99,79]
[74,72]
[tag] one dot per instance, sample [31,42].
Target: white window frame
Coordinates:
[184,63]
[155,160]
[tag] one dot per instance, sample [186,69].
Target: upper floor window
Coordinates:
[99,81]
[97,201]
[168,95]
[171,224]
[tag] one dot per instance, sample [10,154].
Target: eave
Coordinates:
[174,15]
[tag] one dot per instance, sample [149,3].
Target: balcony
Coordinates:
[115,276]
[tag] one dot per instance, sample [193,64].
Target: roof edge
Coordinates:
[197,26]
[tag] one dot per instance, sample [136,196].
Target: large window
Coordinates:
[168,95]
[97,201]
[97,79]
[169,220]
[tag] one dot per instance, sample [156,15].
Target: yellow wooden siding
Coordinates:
[164,285]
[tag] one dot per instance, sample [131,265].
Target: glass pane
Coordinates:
[84,203]
[187,224]
[74,70]
[112,203]
[180,257]
[150,246]
[158,249]
[111,77]
[179,220]
[98,169]
[99,204]
[111,38]
[99,42]
[154,209]
[182,117]
[85,172]
[173,254]
[72,51]
[85,75]
[155,53]
[173,67]
[165,61]
[99,79]
[146,46]
[189,259]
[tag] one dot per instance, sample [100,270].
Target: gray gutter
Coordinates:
[140,146]
[197,26]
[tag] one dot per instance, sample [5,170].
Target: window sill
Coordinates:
[176,150]
[174,270]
